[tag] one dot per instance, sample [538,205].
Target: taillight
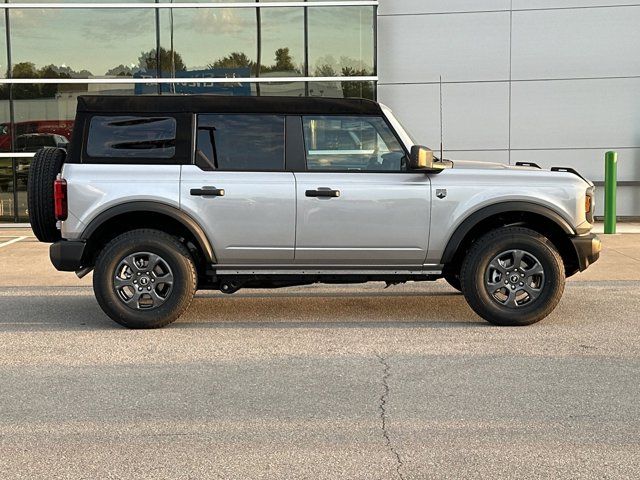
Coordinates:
[60,198]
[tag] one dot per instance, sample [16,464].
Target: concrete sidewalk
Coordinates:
[622,227]
[619,260]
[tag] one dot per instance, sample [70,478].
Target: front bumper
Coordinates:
[587,248]
[67,255]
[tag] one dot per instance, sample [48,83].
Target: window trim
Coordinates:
[180,157]
[253,170]
[141,5]
[387,123]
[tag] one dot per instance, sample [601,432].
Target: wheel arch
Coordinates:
[540,218]
[145,214]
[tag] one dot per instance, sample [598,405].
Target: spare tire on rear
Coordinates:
[44,169]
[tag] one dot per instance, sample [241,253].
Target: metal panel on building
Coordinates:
[412,7]
[600,113]
[576,43]
[460,47]
[553,82]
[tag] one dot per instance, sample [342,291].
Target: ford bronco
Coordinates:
[163,195]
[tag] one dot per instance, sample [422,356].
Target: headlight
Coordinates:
[589,204]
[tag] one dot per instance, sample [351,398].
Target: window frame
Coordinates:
[180,157]
[386,122]
[285,136]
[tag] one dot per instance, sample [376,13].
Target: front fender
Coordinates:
[465,226]
[469,192]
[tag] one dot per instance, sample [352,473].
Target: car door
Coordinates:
[238,189]
[357,203]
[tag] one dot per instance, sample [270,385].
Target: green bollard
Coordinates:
[610,186]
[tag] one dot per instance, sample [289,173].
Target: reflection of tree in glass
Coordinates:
[170,60]
[284,62]
[233,60]
[325,71]
[327,66]
[29,70]
[356,89]
[349,89]
[282,57]
[25,70]
[354,72]
[122,71]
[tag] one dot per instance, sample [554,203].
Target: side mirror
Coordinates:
[422,159]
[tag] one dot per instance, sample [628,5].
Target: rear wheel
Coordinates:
[44,168]
[513,276]
[144,279]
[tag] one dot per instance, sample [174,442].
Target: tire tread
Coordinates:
[45,166]
[471,288]
[136,236]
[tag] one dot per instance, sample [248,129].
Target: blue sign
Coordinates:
[201,86]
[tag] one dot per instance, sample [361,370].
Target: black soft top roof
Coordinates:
[225,104]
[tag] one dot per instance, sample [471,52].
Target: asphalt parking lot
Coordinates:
[318,382]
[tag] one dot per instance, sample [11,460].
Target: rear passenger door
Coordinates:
[238,189]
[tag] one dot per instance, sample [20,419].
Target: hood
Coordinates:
[487,165]
[525,167]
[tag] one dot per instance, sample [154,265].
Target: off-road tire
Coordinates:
[476,263]
[174,253]
[45,166]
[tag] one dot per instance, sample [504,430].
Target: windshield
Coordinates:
[406,137]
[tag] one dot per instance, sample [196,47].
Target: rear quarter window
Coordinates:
[132,137]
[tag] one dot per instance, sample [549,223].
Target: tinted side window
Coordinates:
[240,142]
[351,144]
[132,137]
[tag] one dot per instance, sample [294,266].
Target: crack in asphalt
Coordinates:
[382,405]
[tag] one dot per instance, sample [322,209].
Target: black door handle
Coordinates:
[327,192]
[207,192]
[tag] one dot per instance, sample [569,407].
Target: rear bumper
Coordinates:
[587,248]
[67,255]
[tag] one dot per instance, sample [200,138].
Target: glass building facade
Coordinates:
[52,52]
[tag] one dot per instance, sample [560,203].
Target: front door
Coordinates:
[239,191]
[357,204]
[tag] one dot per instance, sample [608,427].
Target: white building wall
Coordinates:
[556,82]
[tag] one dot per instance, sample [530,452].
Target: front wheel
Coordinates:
[513,276]
[144,279]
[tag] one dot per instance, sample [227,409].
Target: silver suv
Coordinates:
[165,195]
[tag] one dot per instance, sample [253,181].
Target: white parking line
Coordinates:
[15,240]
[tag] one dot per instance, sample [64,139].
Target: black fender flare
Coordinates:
[162,208]
[516,206]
